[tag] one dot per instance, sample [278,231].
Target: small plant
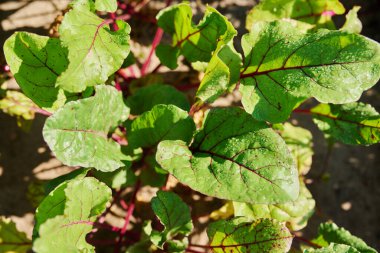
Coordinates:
[123,132]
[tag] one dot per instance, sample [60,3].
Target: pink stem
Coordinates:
[41,111]
[114,25]
[156,41]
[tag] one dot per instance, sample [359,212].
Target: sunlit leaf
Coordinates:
[11,239]
[78,132]
[233,157]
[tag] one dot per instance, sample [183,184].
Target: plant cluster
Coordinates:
[123,131]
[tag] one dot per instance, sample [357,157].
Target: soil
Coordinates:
[348,192]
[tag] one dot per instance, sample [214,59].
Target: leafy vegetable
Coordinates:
[174,214]
[331,233]
[77,133]
[317,13]
[163,122]
[11,239]
[36,62]
[295,213]
[86,199]
[354,123]
[334,248]
[283,67]
[233,157]
[17,104]
[145,98]
[94,51]
[237,235]
[353,23]
[194,42]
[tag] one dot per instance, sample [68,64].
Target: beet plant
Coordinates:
[121,131]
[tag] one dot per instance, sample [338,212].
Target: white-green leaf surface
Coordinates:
[78,133]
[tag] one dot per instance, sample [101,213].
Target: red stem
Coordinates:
[307,241]
[305,111]
[156,41]
[193,251]
[127,218]
[188,86]
[114,25]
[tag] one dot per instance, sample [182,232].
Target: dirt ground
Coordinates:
[350,196]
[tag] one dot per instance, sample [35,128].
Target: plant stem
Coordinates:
[193,251]
[304,111]
[127,217]
[41,111]
[188,86]
[156,41]
[300,238]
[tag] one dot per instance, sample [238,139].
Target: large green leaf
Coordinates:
[145,98]
[36,62]
[194,42]
[330,233]
[174,214]
[239,236]
[295,213]
[163,122]
[95,52]
[54,203]
[333,248]
[233,157]
[106,5]
[222,73]
[283,66]
[354,123]
[85,200]
[317,12]
[11,239]
[77,133]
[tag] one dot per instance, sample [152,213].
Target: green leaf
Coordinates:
[17,104]
[194,42]
[233,157]
[284,66]
[86,199]
[163,122]
[11,239]
[239,236]
[221,75]
[54,203]
[174,214]
[318,13]
[295,213]
[300,143]
[77,133]
[334,248]
[106,5]
[95,52]
[145,98]
[354,123]
[122,177]
[36,62]
[331,233]
[353,23]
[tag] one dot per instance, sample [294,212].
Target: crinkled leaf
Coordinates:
[300,143]
[334,248]
[354,123]
[163,122]
[318,13]
[36,62]
[283,66]
[194,42]
[95,52]
[85,200]
[353,23]
[239,236]
[145,98]
[331,233]
[11,239]
[54,203]
[221,75]
[295,213]
[77,133]
[174,214]
[233,157]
